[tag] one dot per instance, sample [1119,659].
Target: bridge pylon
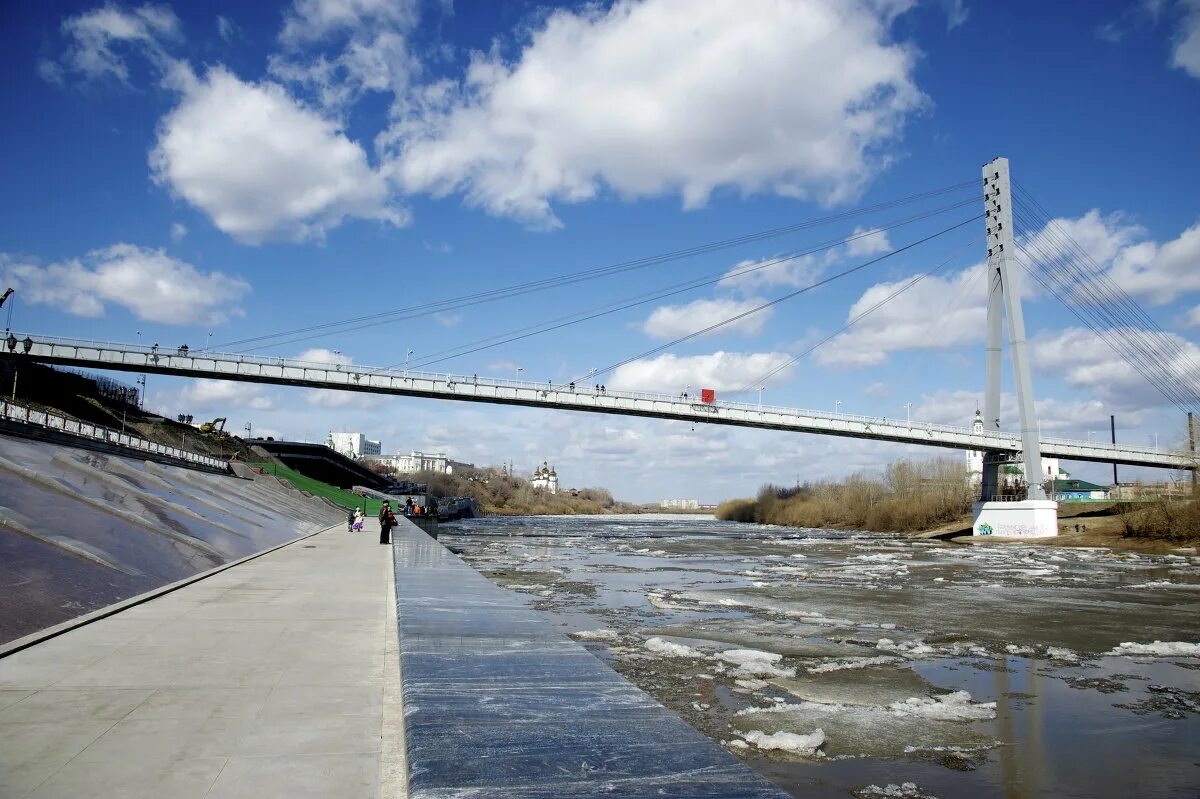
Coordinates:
[1035,515]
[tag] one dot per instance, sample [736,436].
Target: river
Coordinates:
[851,664]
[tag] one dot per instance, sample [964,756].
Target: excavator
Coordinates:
[215,426]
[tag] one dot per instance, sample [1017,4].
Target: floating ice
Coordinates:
[1164,649]
[856,663]
[755,663]
[787,741]
[950,707]
[596,635]
[907,790]
[666,648]
[1061,653]
[1013,649]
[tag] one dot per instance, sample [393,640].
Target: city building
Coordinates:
[545,478]
[1011,474]
[353,445]
[1075,491]
[680,504]
[421,462]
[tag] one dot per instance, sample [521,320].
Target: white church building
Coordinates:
[1011,474]
[545,478]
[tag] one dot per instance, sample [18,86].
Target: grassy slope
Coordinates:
[338,496]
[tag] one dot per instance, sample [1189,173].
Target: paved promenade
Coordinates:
[276,677]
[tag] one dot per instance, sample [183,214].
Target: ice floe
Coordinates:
[949,707]
[856,663]
[787,741]
[1163,649]
[596,635]
[755,663]
[660,646]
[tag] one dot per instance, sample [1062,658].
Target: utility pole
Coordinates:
[1192,449]
[1112,423]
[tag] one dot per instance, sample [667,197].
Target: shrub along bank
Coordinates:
[1167,519]
[500,494]
[911,495]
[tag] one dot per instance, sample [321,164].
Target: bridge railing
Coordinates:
[52,421]
[1003,440]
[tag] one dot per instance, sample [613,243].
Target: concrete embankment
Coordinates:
[81,530]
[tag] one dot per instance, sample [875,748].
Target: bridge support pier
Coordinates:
[1026,518]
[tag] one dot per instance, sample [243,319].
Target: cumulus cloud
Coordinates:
[99,40]
[723,371]
[178,232]
[752,276]
[1086,361]
[147,282]
[322,355]
[672,321]
[204,395]
[1056,416]
[1185,51]
[905,323]
[325,398]
[261,165]
[663,96]
[867,241]
[1193,318]
[312,20]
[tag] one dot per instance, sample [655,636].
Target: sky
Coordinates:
[235,174]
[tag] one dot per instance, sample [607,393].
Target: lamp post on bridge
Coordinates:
[407,355]
[519,370]
[836,406]
[761,389]
[908,413]
[1155,435]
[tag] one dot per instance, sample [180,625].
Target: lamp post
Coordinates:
[1156,442]
[907,412]
[519,370]
[208,346]
[760,391]
[248,428]
[1090,434]
[836,406]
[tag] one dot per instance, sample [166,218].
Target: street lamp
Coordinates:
[836,406]
[208,346]
[1090,434]
[247,428]
[907,412]
[760,391]
[1156,442]
[519,370]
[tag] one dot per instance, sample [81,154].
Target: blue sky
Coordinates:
[245,169]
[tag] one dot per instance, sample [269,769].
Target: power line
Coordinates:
[593,273]
[660,294]
[907,285]
[783,298]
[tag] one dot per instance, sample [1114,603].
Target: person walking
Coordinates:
[408,507]
[350,514]
[387,520]
[358,519]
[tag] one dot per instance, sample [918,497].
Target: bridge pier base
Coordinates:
[1027,518]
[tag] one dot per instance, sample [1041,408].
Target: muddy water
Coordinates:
[860,665]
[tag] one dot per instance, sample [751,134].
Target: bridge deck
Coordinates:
[266,679]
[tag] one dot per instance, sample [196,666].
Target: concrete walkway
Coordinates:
[277,677]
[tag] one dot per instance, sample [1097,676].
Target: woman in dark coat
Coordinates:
[387,520]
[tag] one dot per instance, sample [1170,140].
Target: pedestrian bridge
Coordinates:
[182,362]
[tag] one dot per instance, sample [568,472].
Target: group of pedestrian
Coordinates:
[387,517]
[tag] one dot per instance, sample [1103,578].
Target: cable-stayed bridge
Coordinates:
[589,399]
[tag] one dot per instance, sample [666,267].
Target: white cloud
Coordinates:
[97,35]
[662,96]
[204,395]
[261,165]
[867,241]
[1185,53]
[1193,318]
[749,277]
[1159,272]
[672,321]
[877,390]
[1056,417]
[379,63]
[149,283]
[905,321]
[448,319]
[343,399]
[322,355]
[226,28]
[312,20]
[956,13]
[502,368]
[1086,361]
[723,371]
[178,232]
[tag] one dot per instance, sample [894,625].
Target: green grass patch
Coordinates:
[339,496]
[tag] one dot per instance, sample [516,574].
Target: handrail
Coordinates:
[1003,440]
[52,421]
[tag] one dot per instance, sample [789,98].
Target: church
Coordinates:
[544,477]
[1011,474]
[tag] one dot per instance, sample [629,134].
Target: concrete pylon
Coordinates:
[1034,516]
